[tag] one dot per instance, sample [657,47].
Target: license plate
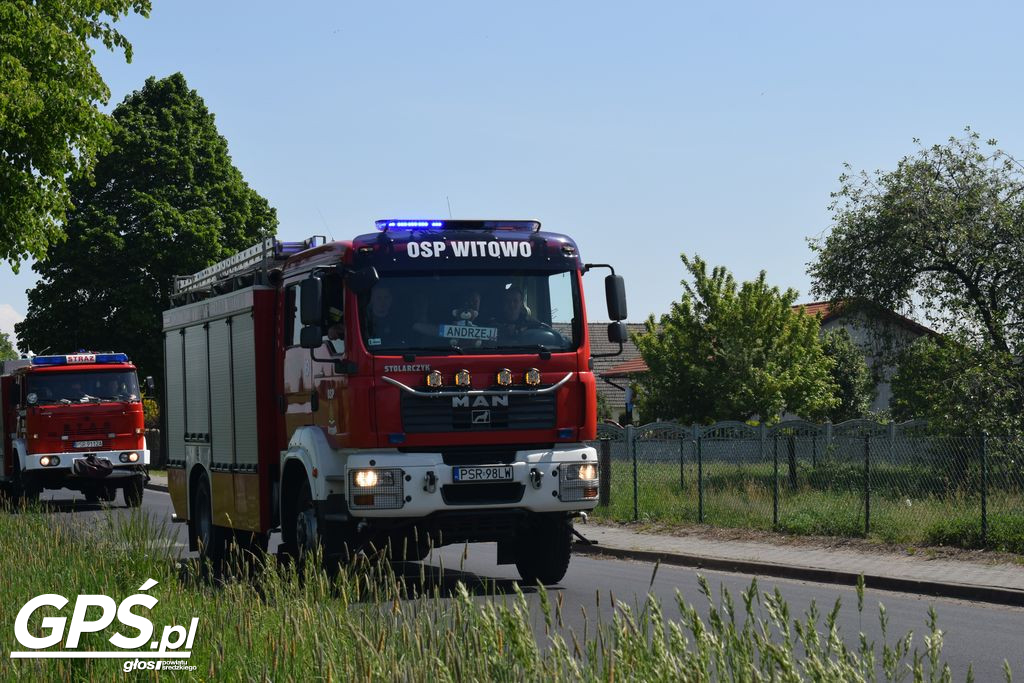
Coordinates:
[465,475]
[87,444]
[468,332]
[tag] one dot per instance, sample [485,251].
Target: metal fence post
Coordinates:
[867,484]
[700,474]
[984,489]
[775,481]
[682,463]
[631,446]
[605,467]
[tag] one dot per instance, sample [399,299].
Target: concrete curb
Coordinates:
[156,487]
[972,592]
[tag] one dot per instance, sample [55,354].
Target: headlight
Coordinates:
[532,377]
[129,457]
[434,379]
[381,488]
[462,378]
[365,478]
[577,482]
[44,461]
[504,377]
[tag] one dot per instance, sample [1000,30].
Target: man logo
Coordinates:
[481,417]
[480,402]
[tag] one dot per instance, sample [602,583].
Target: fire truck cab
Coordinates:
[72,421]
[426,384]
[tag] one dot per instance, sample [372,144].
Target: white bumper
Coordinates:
[66,462]
[427,484]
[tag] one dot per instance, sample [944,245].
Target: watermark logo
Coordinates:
[170,651]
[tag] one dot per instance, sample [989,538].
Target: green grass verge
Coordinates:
[363,625]
[827,501]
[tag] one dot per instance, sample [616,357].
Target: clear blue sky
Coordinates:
[642,129]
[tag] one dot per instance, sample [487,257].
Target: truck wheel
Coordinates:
[133,492]
[210,538]
[305,530]
[92,495]
[21,491]
[543,549]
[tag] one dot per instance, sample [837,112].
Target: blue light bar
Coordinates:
[77,358]
[385,225]
[49,360]
[457,224]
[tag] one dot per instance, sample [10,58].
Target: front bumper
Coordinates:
[66,463]
[420,484]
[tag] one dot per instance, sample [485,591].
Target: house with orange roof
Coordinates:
[880,333]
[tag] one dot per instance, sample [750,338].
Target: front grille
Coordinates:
[478,455]
[482,494]
[86,428]
[477,414]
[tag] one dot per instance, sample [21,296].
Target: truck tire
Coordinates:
[211,539]
[543,548]
[133,491]
[22,492]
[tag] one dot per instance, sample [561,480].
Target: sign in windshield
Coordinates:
[82,387]
[484,312]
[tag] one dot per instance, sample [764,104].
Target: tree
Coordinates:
[167,200]
[733,352]
[856,386]
[959,388]
[7,350]
[50,127]
[945,231]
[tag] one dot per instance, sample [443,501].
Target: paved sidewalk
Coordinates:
[999,583]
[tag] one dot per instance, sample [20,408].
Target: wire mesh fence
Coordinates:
[897,483]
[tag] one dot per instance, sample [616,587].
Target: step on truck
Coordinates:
[426,384]
[73,421]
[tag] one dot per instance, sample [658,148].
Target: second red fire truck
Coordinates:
[429,383]
[72,421]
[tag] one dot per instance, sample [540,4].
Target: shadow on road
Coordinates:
[412,579]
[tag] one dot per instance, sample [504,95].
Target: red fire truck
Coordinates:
[429,383]
[72,421]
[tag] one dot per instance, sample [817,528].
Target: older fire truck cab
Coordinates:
[73,421]
[426,384]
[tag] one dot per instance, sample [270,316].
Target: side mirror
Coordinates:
[150,385]
[617,332]
[312,301]
[363,280]
[311,337]
[615,293]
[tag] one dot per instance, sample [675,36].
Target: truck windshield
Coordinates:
[81,387]
[475,312]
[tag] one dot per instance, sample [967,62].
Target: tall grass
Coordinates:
[265,621]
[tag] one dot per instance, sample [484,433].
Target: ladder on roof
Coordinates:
[257,257]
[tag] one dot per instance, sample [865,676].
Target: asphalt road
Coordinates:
[975,633]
